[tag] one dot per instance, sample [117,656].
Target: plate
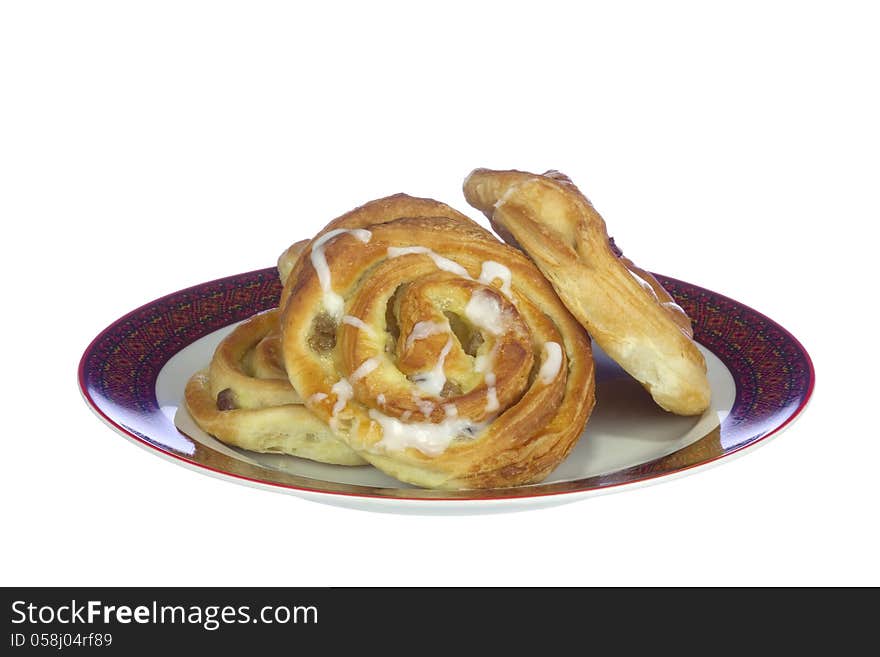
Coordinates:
[134,372]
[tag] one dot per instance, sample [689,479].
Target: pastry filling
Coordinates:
[322,337]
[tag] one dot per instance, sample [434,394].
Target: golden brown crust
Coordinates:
[289,429]
[624,308]
[245,363]
[379,211]
[287,260]
[245,399]
[434,367]
[236,404]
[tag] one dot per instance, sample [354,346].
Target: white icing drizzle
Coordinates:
[484,311]
[491,393]
[431,383]
[426,406]
[381,399]
[442,263]
[431,439]
[491,271]
[451,410]
[405,416]
[552,362]
[424,330]
[365,368]
[358,323]
[333,303]
[344,392]
[485,363]
[317,397]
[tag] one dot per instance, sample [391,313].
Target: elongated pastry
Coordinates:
[436,352]
[624,308]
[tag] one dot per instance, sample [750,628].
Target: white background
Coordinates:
[145,147]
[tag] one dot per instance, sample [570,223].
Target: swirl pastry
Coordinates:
[624,308]
[437,353]
[245,399]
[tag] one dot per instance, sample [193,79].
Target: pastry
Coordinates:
[433,350]
[625,309]
[245,398]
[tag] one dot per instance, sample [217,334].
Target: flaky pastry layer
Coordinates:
[436,352]
[624,308]
[244,398]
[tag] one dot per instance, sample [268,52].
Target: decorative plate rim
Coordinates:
[543,490]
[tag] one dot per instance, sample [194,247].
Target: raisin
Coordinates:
[226,400]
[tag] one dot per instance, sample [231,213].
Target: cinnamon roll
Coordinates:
[434,351]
